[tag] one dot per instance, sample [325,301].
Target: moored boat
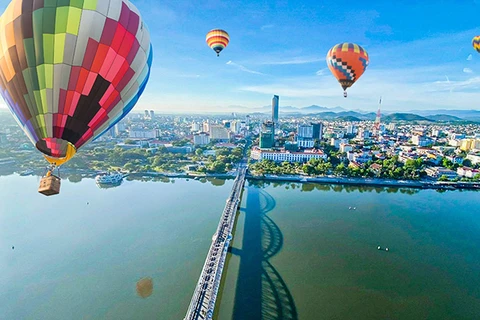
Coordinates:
[109,178]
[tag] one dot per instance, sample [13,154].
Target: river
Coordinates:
[300,251]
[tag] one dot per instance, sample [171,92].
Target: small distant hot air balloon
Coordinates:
[476,43]
[218,40]
[347,62]
[71,70]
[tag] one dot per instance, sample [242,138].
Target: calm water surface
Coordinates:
[299,252]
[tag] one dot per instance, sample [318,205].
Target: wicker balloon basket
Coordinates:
[49,185]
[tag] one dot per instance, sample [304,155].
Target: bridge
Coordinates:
[205,294]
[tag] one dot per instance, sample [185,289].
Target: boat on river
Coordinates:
[109,178]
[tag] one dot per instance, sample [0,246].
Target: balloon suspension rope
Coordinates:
[51,168]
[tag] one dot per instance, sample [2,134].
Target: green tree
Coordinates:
[443,178]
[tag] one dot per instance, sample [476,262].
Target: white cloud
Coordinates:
[470,57]
[467,70]
[267,26]
[321,72]
[243,68]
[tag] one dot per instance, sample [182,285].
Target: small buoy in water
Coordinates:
[386,249]
[349,208]
[378,248]
[87,203]
[354,208]
[13,247]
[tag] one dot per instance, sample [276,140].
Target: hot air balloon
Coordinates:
[217,39]
[476,43]
[71,70]
[347,62]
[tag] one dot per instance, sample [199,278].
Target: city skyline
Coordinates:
[417,60]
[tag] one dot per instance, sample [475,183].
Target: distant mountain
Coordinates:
[346,114]
[472,115]
[444,118]
[404,117]
[348,118]
[305,110]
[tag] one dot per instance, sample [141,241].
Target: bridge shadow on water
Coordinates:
[261,293]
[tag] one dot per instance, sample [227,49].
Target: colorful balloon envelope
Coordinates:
[347,62]
[476,43]
[71,69]
[218,40]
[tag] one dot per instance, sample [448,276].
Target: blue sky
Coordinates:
[421,55]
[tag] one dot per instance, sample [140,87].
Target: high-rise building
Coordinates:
[363,134]
[267,135]
[317,130]
[351,129]
[219,132]
[266,140]
[305,131]
[120,127]
[113,132]
[201,138]
[206,126]
[305,135]
[147,114]
[195,127]
[152,114]
[143,133]
[275,109]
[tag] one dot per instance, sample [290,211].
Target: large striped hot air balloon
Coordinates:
[217,39]
[347,62]
[71,69]
[476,43]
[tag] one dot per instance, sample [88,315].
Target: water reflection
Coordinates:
[261,292]
[75,178]
[218,182]
[145,287]
[309,187]
[108,185]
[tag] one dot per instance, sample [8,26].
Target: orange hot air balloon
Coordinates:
[347,62]
[218,40]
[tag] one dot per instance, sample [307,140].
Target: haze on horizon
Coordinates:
[421,55]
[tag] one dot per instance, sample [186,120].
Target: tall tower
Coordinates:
[275,109]
[376,124]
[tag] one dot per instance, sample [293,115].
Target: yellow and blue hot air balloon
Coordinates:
[217,39]
[347,62]
[71,70]
[476,43]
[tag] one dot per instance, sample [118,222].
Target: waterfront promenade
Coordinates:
[204,297]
